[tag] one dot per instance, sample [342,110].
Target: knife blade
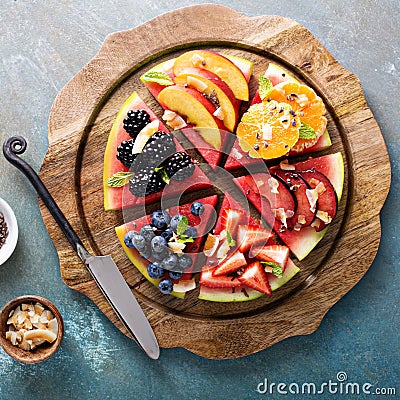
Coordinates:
[102,268]
[115,289]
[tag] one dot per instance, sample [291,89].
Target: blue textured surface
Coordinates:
[42,46]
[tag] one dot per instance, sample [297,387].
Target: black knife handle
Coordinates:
[12,148]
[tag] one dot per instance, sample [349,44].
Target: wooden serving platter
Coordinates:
[80,121]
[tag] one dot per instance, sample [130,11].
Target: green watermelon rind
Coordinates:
[225,295]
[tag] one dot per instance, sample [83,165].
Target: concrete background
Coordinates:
[43,44]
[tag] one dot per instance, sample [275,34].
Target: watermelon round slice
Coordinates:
[191,249]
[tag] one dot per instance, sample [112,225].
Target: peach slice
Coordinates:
[219,65]
[198,111]
[214,89]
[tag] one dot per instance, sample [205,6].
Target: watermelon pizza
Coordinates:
[238,190]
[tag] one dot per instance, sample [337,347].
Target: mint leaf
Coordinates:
[276,268]
[185,239]
[163,173]
[231,242]
[120,179]
[306,132]
[159,77]
[183,224]
[265,88]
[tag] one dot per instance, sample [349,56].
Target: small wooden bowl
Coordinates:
[40,353]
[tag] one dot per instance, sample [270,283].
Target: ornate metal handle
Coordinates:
[12,148]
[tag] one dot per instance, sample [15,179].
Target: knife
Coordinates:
[102,268]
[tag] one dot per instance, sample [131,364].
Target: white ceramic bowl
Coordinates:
[8,247]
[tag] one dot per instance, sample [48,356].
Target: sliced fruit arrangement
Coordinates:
[164,246]
[143,156]
[201,90]
[258,133]
[315,186]
[244,262]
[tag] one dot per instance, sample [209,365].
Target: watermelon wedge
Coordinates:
[116,198]
[199,222]
[216,285]
[243,292]
[303,241]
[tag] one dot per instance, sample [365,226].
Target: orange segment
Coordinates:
[307,105]
[268,130]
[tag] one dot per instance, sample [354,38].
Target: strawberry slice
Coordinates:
[208,279]
[249,236]
[231,219]
[230,264]
[255,277]
[275,253]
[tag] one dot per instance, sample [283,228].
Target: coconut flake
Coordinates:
[184,286]
[324,216]
[273,184]
[312,196]
[301,219]
[197,60]
[316,223]
[211,245]
[285,166]
[169,115]
[196,83]
[302,99]
[266,130]
[223,250]
[320,188]
[219,113]
[177,247]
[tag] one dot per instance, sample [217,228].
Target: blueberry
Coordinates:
[167,234]
[147,232]
[175,275]
[160,256]
[146,252]
[158,244]
[191,232]
[160,219]
[166,286]
[170,262]
[139,242]
[155,270]
[197,208]
[175,221]
[185,261]
[128,239]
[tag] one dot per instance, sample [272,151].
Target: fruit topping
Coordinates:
[124,153]
[230,264]
[255,276]
[158,148]
[249,236]
[166,286]
[146,182]
[160,219]
[155,270]
[208,279]
[197,208]
[268,130]
[135,121]
[307,105]
[179,166]
[271,253]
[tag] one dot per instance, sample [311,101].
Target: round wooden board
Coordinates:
[82,116]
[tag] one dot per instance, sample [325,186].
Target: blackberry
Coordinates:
[135,121]
[179,166]
[124,153]
[158,148]
[146,182]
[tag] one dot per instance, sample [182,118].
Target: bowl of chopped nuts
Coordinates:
[31,329]
[8,231]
